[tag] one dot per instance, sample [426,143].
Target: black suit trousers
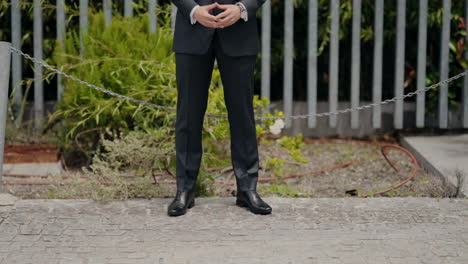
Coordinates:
[193,74]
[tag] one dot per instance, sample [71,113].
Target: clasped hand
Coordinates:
[229,16]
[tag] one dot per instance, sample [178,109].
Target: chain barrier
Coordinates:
[352,109]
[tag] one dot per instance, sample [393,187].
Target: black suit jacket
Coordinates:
[239,39]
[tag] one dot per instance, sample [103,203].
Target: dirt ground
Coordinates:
[367,174]
[334,169]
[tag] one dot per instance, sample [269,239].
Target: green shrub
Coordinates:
[122,58]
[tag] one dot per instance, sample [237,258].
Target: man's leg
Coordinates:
[193,74]
[237,77]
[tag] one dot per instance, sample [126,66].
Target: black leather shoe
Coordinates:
[252,200]
[180,204]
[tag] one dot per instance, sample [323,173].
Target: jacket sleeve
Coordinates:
[185,6]
[252,6]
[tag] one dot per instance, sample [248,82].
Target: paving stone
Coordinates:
[302,230]
[7,199]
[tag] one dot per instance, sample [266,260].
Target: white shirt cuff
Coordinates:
[247,16]
[193,20]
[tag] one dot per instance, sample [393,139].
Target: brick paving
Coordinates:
[300,230]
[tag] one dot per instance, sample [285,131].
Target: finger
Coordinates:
[212,6]
[210,23]
[209,7]
[223,14]
[230,21]
[227,23]
[209,17]
[226,19]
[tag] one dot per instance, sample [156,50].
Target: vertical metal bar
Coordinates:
[107,6]
[152,4]
[4,78]
[444,65]
[400,63]
[378,62]
[61,21]
[128,10]
[356,62]
[288,59]
[38,84]
[465,83]
[422,53]
[61,41]
[334,57]
[266,49]
[312,63]
[173,16]
[16,73]
[83,23]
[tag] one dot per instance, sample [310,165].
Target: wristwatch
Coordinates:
[243,14]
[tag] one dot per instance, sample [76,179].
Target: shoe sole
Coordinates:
[241,203]
[192,204]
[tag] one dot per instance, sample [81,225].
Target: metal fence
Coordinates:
[312,43]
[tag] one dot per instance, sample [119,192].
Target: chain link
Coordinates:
[352,109]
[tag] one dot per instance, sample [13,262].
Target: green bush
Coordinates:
[122,58]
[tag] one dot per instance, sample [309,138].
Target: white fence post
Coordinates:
[107,6]
[153,22]
[444,65]
[378,63]
[422,55]
[5,58]
[61,40]
[400,62]
[266,50]
[334,61]
[288,60]
[38,83]
[312,63]
[83,23]
[16,66]
[173,16]
[128,9]
[356,62]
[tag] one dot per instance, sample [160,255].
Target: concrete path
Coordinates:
[442,155]
[43,168]
[302,230]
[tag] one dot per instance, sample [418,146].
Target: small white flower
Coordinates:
[280,123]
[275,129]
